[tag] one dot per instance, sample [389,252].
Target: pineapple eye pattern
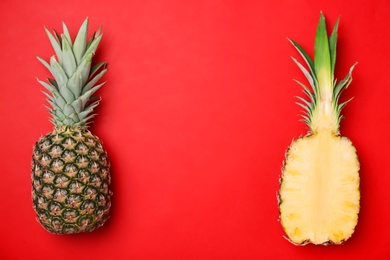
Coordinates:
[55,209]
[60,195]
[55,151]
[82,148]
[70,215]
[74,201]
[90,193]
[42,202]
[56,138]
[68,156]
[57,165]
[94,167]
[45,159]
[43,215]
[85,221]
[70,183]
[105,189]
[61,181]
[93,154]
[88,207]
[70,170]
[47,190]
[48,177]
[82,161]
[57,223]
[96,181]
[83,176]
[76,187]
[69,143]
[102,200]
[69,229]
[45,145]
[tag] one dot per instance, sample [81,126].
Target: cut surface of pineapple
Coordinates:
[319,196]
[320,190]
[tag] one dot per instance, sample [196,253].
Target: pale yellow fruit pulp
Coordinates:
[319,192]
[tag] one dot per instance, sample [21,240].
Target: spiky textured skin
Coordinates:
[71,181]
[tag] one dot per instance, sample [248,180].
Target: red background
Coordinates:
[196,115]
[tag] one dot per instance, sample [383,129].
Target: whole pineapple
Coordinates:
[70,170]
[319,197]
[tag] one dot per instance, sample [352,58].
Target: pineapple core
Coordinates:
[320,189]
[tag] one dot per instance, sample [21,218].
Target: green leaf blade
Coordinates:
[80,43]
[333,45]
[322,61]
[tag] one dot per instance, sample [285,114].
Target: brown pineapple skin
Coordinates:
[70,181]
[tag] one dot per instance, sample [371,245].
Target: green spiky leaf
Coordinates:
[325,91]
[80,43]
[66,32]
[56,45]
[333,45]
[69,61]
[45,63]
[75,78]
[322,61]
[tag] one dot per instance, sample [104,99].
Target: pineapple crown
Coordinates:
[324,89]
[75,79]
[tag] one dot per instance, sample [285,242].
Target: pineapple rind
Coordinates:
[71,181]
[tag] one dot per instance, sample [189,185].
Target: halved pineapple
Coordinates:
[319,191]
